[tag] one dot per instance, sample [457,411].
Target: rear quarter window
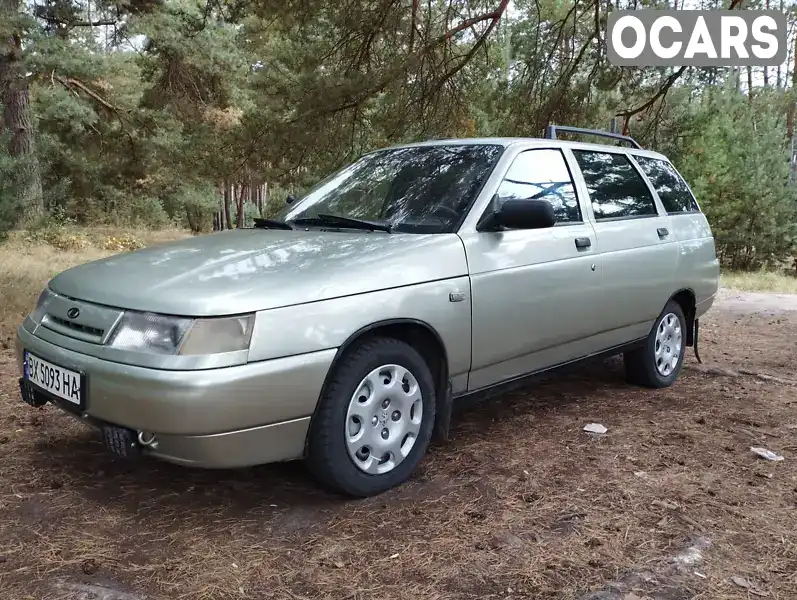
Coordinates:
[669,185]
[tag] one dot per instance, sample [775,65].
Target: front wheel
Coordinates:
[375,419]
[658,362]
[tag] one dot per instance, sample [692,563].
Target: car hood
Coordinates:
[247,270]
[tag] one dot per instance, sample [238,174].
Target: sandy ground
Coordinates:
[755,302]
[521,503]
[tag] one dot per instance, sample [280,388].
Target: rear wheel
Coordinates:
[375,419]
[658,362]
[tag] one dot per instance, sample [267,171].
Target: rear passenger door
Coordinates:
[532,290]
[638,251]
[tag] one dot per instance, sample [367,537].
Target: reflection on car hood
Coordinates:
[254,269]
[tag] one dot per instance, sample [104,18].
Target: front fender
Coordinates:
[328,324]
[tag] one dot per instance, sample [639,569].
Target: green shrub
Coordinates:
[199,203]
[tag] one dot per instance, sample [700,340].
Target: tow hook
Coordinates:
[147,439]
[697,330]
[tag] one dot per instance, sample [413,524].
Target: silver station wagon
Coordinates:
[343,331]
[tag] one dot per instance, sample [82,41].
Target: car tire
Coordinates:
[657,363]
[342,421]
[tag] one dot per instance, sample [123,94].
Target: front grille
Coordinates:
[92,331]
[80,319]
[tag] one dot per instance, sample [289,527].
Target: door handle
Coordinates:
[662,231]
[583,242]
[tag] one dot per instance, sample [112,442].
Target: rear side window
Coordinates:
[542,175]
[616,189]
[669,185]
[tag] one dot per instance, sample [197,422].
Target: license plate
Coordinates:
[58,381]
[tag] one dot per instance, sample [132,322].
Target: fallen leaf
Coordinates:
[767,454]
[595,428]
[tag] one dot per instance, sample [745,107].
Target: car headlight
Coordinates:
[160,334]
[41,305]
[225,334]
[146,332]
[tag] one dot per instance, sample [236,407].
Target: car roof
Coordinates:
[509,141]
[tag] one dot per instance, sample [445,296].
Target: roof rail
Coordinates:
[550,133]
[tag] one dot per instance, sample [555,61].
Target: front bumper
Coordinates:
[233,449]
[228,417]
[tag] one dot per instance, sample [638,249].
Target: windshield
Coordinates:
[422,189]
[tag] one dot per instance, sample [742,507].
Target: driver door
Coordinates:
[533,291]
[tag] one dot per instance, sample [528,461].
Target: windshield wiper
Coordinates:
[325,219]
[271,224]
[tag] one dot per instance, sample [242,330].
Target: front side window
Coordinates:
[422,189]
[542,175]
[671,188]
[616,189]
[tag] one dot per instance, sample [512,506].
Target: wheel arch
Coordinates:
[415,332]
[686,299]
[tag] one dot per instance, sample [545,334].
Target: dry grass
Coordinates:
[29,260]
[520,504]
[760,281]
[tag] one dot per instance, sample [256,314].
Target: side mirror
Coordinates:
[520,214]
[290,199]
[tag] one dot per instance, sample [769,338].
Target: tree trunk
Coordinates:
[779,78]
[227,219]
[792,102]
[15,98]
[239,205]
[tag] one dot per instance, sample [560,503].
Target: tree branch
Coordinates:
[662,91]
[495,16]
[627,114]
[72,24]
[467,23]
[68,82]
